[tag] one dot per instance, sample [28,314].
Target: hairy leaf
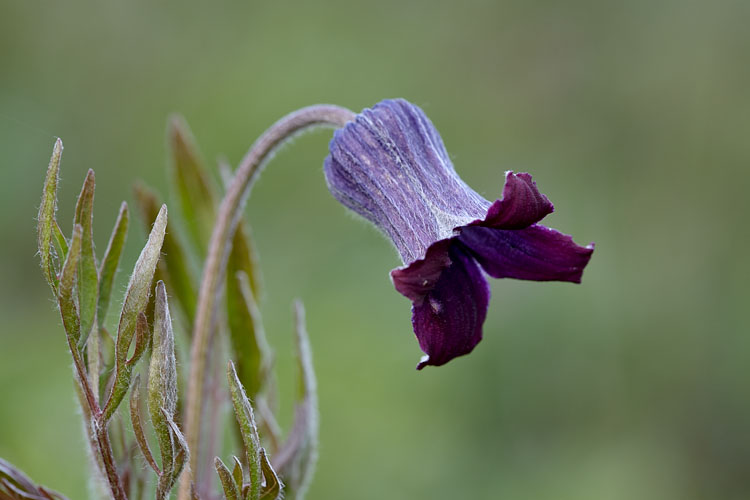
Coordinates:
[296,459]
[272,489]
[136,298]
[195,192]
[248,340]
[111,260]
[138,290]
[46,220]
[66,292]
[243,256]
[246,420]
[174,267]
[237,472]
[231,492]
[181,453]
[162,377]
[135,419]
[142,339]
[61,243]
[14,484]
[88,279]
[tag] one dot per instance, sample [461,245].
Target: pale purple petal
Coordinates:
[448,320]
[391,167]
[535,253]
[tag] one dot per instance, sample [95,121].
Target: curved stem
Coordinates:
[229,214]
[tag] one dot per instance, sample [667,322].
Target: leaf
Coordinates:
[111,260]
[136,298]
[296,459]
[243,256]
[237,473]
[247,336]
[142,339]
[14,484]
[231,492]
[135,419]
[93,350]
[46,219]
[174,266]
[88,278]
[67,285]
[273,487]
[162,377]
[182,453]
[138,290]
[195,192]
[107,351]
[246,420]
[61,244]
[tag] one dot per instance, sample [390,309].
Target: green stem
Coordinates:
[229,214]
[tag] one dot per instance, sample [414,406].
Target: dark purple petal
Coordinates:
[391,167]
[535,253]
[521,206]
[417,279]
[448,319]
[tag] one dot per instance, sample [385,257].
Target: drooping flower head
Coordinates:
[390,166]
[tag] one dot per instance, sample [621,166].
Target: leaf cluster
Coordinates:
[107,367]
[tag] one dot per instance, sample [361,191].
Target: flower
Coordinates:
[390,166]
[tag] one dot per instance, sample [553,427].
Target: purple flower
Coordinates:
[390,166]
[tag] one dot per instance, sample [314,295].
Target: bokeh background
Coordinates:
[633,117]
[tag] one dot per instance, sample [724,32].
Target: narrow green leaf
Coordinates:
[162,376]
[94,358]
[297,456]
[46,219]
[237,473]
[272,489]
[136,298]
[66,293]
[227,482]
[61,243]
[268,426]
[14,484]
[246,333]
[174,267]
[182,453]
[138,290]
[246,420]
[243,256]
[142,339]
[88,279]
[111,260]
[195,192]
[135,419]
[107,351]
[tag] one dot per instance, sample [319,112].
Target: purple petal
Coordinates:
[535,253]
[390,166]
[417,279]
[521,206]
[448,318]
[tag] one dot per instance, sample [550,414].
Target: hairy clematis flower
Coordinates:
[390,166]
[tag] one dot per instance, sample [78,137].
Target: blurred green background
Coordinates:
[633,117]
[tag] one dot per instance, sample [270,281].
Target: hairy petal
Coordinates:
[448,320]
[535,253]
[391,167]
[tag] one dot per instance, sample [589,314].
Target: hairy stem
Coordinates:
[229,214]
[105,448]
